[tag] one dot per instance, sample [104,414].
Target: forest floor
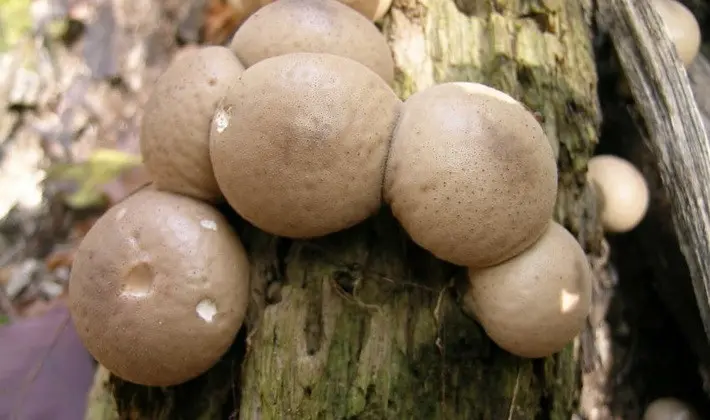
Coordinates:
[74,76]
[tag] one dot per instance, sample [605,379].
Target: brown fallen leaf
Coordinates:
[221,20]
[45,371]
[60,258]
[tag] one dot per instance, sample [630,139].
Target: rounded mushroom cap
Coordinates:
[299,144]
[315,26]
[371,9]
[159,288]
[622,190]
[245,8]
[176,124]
[534,304]
[682,27]
[471,175]
[669,409]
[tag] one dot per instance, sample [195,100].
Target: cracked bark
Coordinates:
[363,324]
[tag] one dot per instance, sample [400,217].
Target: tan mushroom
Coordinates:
[300,141]
[371,9]
[471,175]
[682,27]
[534,304]
[622,192]
[316,26]
[176,124]
[669,409]
[159,288]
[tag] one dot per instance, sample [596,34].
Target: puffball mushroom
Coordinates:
[316,26]
[669,409]
[300,141]
[371,9]
[681,26]
[622,190]
[176,124]
[159,288]
[534,304]
[471,175]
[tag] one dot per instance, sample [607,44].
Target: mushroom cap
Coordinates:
[159,288]
[471,175]
[622,190]
[534,304]
[316,26]
[371,9]
[669,408]
[176,124]
[682,27]
[300,143]
[245,8]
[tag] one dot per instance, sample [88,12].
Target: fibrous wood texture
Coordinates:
[673,128]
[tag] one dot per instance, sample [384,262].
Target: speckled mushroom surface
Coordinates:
[535,303]
[159,288]
[176,123]
[300,142]
[471,175]
[317,26]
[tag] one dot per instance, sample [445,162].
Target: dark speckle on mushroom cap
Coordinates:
[471,175]
[159,288]
[176,124]
[300,145]
[535,303]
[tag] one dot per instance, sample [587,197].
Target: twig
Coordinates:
[515,392]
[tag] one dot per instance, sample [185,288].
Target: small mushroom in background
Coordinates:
[682,27]
[534,304]
[622,191]
[300,142]
[315,26]
[669,408]
[159,288]
[176,124]
[471,176]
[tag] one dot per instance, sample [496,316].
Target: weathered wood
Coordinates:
[673,129]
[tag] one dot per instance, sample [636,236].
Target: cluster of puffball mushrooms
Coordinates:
[295,125]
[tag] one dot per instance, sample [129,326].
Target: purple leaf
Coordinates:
[45,371]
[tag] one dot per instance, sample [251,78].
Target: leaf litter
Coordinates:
[74,75]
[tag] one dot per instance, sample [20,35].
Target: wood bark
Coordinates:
[363,324]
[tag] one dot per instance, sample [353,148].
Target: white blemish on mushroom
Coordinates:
[138,281]
[568,301]
[206,310]
[209,224]
[120,214]
[221,120]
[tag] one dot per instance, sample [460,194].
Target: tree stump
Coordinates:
[363,324]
